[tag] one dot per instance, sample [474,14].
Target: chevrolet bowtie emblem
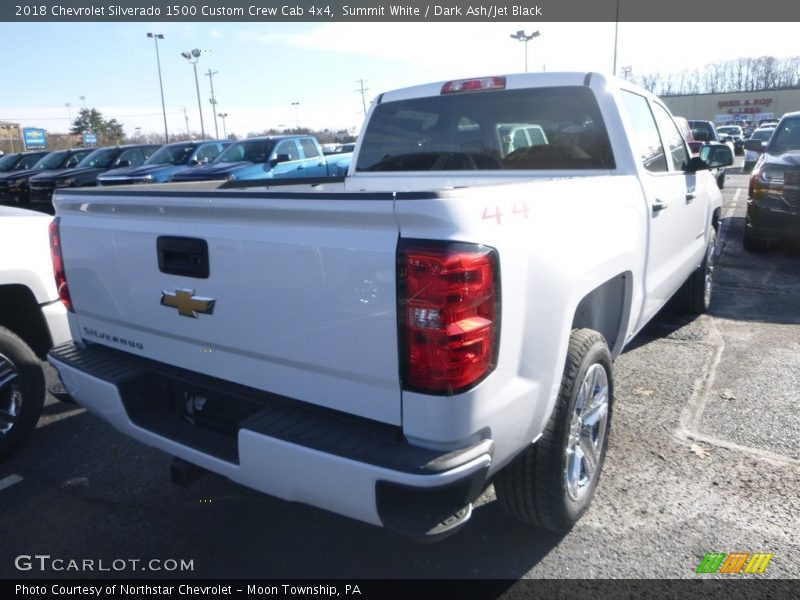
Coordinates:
[187,303]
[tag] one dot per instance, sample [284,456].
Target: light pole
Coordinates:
[156,37]
[296,119]
[69,115]
[520,35]
[193,56]
[213,101]
[224,130]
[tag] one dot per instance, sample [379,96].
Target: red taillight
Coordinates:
[449,306]
[474,85]
[58,264]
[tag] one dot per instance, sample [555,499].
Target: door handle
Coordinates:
[690,197]
[659,206]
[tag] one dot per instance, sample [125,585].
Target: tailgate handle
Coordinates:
[182,256]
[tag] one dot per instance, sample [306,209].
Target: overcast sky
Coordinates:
[263,68]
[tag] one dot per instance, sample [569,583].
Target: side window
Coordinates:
[672,137]
[645,139]
[208,152]
[288,147]
[309,148]
[135,156]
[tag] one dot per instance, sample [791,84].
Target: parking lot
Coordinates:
[703,457]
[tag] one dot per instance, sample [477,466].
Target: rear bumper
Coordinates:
[291,450]
[773,223]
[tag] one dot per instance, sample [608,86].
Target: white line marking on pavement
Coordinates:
[690,420]
[727,214]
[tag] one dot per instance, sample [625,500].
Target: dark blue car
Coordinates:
[281,156]
[85,173]
[164,162]
[16,169]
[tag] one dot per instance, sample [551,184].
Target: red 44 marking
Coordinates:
[519,210]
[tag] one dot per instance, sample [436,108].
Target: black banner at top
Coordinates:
[667,11]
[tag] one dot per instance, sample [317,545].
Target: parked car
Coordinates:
[164,162]
[733,133]
[19,161]
[32,320]
[761,134]
[14,184]
[705,131]
[281,156]
[698,134]
[85,173]
[773,203]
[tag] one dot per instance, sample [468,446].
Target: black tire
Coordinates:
[535,487]
[22,391]
[695,295]
[721,180]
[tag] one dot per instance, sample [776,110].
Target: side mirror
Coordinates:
[755,146]
[696,164]
[123,163]
[717,155]
[282,158]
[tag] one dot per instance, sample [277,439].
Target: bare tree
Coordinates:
[739,75]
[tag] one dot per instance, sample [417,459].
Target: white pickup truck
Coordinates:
[386,345]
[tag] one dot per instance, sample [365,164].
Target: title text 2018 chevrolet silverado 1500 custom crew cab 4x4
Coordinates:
[385,345]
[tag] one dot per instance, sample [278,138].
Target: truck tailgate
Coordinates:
[299,299]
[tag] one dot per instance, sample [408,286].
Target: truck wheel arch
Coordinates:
[20,313]
[606,309]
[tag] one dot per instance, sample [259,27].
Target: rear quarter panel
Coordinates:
[557,240]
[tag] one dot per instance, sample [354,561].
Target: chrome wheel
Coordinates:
[587,432]
[10,395]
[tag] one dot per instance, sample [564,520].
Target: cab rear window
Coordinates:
[530,129]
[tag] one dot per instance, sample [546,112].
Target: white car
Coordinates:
[735,134]
[32,320]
